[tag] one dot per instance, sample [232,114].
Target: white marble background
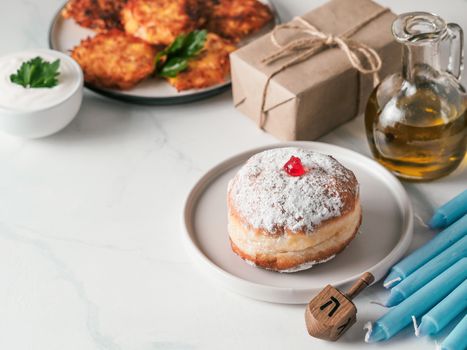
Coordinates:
[90,246]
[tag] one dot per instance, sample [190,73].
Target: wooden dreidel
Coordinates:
[331,313]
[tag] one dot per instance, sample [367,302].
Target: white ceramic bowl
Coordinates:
[45,120]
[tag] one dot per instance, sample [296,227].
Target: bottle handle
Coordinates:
[456,55]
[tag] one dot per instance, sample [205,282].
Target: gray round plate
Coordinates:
[64,34]
[384,236]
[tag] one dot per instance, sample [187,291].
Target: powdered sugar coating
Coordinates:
[266,197]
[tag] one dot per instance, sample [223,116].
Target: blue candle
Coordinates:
[457,339]
[427,272]
[425,253]
[418,303]
[450,212]
[443,313]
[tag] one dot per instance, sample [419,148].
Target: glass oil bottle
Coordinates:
[416,121]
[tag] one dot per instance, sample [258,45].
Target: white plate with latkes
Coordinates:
[384,236]
[65,34]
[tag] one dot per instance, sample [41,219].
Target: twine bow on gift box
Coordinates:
[362,57]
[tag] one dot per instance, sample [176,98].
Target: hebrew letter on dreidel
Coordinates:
[336,306]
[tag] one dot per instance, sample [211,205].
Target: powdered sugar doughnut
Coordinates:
[289,223]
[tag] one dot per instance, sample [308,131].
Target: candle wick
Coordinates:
[421,221]
[378,303]
[391,282]
[416,326]
[369,328]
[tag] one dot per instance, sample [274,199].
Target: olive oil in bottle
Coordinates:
[416,121]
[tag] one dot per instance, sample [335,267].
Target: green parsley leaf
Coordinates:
[174,58]
[177,45]
[37,73]
[173,66]
[194,43]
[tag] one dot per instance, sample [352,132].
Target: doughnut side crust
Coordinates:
[291,252]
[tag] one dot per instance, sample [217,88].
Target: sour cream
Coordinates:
[39,112]
[15,97]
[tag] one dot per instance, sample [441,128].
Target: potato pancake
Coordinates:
[114,59]
[159,22]
[235,19]
[98,15]
[209,68]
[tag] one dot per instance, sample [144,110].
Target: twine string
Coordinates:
[362,57]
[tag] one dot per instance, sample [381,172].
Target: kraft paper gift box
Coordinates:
[309,99]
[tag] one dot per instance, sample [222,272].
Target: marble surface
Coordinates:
[91,255]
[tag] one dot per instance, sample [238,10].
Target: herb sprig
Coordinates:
[37,73]
[174,58]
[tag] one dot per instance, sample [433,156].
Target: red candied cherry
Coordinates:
[294,167]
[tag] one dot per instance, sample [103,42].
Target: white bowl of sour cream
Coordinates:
[34,112]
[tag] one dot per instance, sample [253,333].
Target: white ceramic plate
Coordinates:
[385,234]
[64,34]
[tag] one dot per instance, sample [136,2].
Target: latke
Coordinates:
[159,22]
[235,19]
[114,59]
[98,15]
